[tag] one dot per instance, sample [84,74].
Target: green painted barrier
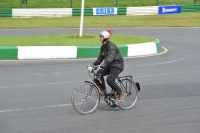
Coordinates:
[158,46]
[11,53]
[123,50]
[190,8]
[5,12]
[88,51]
[94,51]
[77,12]
[8,53]
[121,11]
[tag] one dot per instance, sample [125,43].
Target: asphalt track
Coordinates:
[35,95]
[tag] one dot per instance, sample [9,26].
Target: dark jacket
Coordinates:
[111,56]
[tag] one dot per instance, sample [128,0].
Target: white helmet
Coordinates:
[105,34]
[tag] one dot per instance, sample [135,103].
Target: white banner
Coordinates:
[41,12]
[146,10]
[105,11]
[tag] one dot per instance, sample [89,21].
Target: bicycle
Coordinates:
[86,96]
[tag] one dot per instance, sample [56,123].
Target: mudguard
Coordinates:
[138,86]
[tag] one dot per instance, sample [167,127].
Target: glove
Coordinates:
[90,66]
[103,66]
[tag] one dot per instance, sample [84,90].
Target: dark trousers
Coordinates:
[112,73]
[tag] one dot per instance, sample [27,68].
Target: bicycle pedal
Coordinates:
[115,102]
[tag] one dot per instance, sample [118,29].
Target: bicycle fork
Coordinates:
[88,94]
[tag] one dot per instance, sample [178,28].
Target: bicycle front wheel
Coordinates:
[131,91]
[85,98]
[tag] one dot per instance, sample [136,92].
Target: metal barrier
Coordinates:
[68,12]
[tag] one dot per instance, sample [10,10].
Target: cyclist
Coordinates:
[113,65]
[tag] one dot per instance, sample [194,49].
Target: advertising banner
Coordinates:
[105,11]
[146,10]
[169,9]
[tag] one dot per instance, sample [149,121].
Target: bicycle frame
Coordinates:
[92,83]
[122,85]
[91,92]
[119,79]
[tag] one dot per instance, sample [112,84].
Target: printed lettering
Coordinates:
[169,10]
[112,10]
[102,11]
[108,11]
[97,11]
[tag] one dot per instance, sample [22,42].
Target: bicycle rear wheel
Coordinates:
[85,98]
[131,90]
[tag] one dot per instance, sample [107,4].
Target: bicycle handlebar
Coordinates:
[91,68]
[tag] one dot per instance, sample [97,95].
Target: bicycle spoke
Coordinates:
[130,89]
[85,98]
[82,105]
[80,102]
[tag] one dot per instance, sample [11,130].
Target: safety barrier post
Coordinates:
[20,3]
[157,3]
[116,3]
[23,2]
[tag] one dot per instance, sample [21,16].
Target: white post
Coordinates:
[82,14]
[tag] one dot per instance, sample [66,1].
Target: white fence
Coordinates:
[42,12]
[67,12]
[147,10]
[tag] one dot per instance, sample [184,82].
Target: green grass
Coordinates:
[178,20]
[66,40]
[90,3]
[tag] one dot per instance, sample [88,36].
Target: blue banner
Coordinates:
[169,9]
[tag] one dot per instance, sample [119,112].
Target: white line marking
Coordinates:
[164,74]
[44,75]
[160,63]
[11,110]
[163,63]
[3,87]
[32,108]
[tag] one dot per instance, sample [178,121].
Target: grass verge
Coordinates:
[66,40]
[175,20]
